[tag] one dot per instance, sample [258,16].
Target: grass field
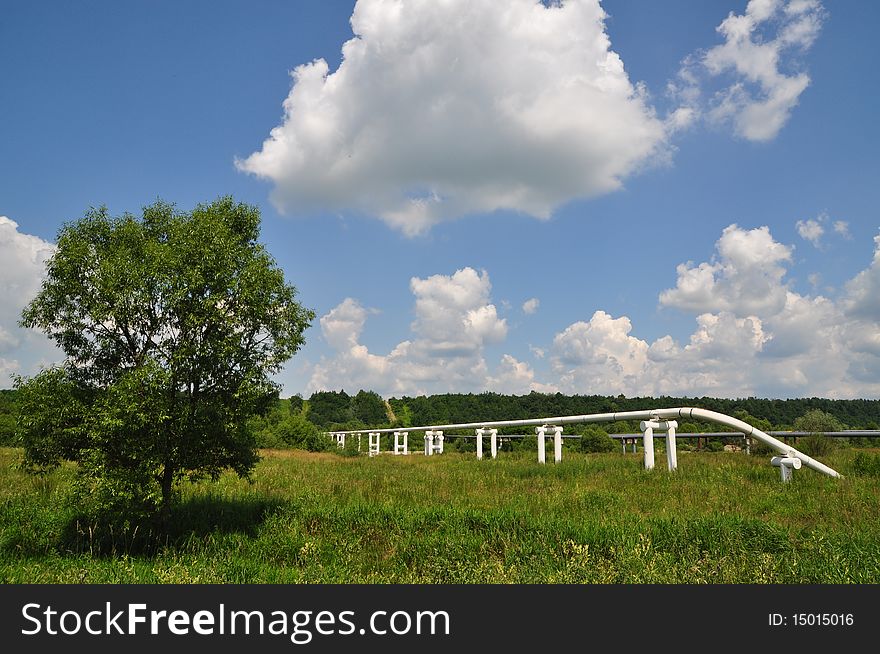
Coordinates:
[722,518]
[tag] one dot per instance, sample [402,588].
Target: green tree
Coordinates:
[817,422]
[369,408]
[298,432]
[295,405]
[329,407]
[172,324]
[596,439]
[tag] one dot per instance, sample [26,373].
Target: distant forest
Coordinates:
[337,409]
[294,420]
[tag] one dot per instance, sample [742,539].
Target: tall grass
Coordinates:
[594,518]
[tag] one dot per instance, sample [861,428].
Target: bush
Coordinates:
[817,422]
[464,445]
[528,443]
[296,431]
[351,447]
[816,445]
[595,439]
[8,429]
[759,448]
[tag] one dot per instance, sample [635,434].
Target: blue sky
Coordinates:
[463,160]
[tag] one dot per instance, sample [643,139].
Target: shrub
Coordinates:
[816,422]
[466,445]
[595,439]
[296,431]
[759,448]
[350,448]
[816,445]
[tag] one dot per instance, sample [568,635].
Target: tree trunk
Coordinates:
[165,508]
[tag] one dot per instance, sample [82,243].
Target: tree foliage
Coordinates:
[172,324]
[329,407]
[458,407]
[296,431]
[817,422]
[369,408]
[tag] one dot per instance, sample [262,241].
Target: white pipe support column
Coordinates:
[374,442]
[671,453]
[479,433]
[557,444]
[787,465]
[647,427]
[438,442]
[429,443]
[404,447]
[359,442]
[493,442]
[542,443]
[669,426]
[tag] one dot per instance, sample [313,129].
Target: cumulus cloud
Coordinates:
[455,321]
[863,291]
[814,229]
[24,263]
[758,62]
[443,109]
[753,335]
[530,306]
[343,325]
[599,354]
[516,377]
[745,276]
[810,230]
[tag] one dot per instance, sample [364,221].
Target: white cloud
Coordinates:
[863,291]
[516,377]
[744,278]
[455,321]
[343,325]
[813,229]
[454,314]
[758,61]
[599,354]
[810,230]
[443,109]
[841,227]
[753,336]
[24,263]
[776,344]
[530,306]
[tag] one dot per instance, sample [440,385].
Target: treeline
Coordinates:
[339,410]
[299,422]
[780,414]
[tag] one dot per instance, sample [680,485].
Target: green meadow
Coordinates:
[594,518]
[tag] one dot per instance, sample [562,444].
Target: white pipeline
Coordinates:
[685,413]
